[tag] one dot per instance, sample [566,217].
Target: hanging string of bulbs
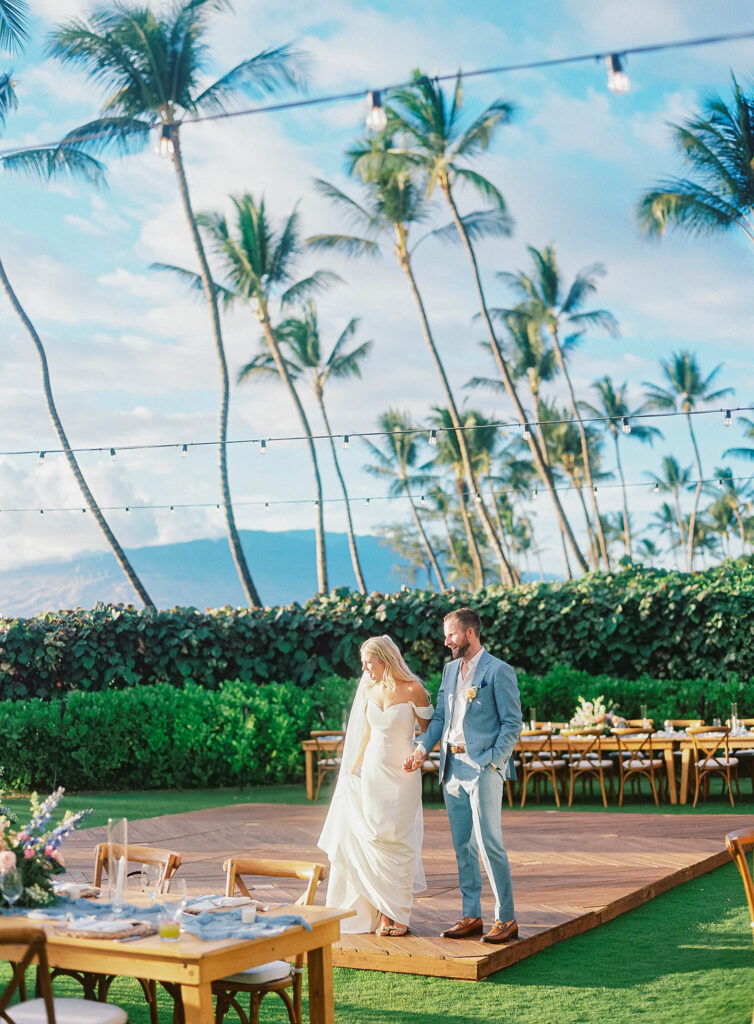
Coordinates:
[376,118]
[433,433]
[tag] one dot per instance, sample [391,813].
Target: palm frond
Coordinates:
[348,245]
[684,204]
[8,98]
[259,76]
[482,185]
[317,282]
[355,212]
[263,365]
[343,366]
[14,25]
[489,383]
[127,134]
[55,162]
[478,136]
[739,453]
[479,224]
[194,282]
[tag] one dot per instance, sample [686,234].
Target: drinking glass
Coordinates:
[150,880]
[172,904]
[11,886]
[532,718]
[667,725]
[716,722]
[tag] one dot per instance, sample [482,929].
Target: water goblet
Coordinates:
[716,723]
[150,880]
[172,904]
[11,886]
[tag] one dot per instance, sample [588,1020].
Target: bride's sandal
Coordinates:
[398,931]
[385,927]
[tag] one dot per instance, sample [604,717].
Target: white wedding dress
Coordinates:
[373,831]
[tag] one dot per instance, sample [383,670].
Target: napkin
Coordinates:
[92,924]
[230,925]
[215,902]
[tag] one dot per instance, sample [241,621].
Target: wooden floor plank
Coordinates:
[572,871]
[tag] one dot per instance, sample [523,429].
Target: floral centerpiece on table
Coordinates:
[34,849]
[592,713]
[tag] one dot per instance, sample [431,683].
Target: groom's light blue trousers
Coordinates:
[474,799]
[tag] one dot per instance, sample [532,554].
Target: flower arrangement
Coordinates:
[34,849]
[591,713]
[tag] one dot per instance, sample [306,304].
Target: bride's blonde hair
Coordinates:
[396,669]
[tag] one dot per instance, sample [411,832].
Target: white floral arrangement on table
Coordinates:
[34,849]
[592,713]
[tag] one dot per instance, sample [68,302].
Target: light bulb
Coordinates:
[127,509]
[617,79]
[184,451]
[41,459]
[113,454]
[625,425]
[263,447]
[366,501]
[719,485]
[376,118]
[433,437]
[656,489]
[527,433]
[346,442]
[172,509]
[166,145]
[534,494]
[267,505]
[727,421]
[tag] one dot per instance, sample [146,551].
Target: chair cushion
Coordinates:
[717,762]
[539,767]
[588,763]
[656,762]
[330,762]
[275,970]
[69,1011]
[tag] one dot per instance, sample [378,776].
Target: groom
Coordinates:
[478,718]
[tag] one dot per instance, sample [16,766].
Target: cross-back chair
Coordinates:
[23,945]
[97,986]
[279,975]
[746,756]
[740,843]
[683,723]
[586,761]
[329,754]
[712,757]
[538,761]
[637,760]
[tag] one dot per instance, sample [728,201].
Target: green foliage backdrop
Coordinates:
[667,625]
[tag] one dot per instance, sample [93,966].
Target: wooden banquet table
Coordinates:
[667,745]
[194,963]
[309,748]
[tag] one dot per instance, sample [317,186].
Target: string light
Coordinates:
[432,438]
[656,489]
[727,421]
[376,118]
[263,447]
[719,485]
[617,79]
[526,434]
[346,442]
[534,494]
[166,141]
[127,509]
[41,459]
[113,454]
[184,451]
[625,425]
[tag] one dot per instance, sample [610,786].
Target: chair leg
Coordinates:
[524,782]
[602,787]
[554,779]
[509,791]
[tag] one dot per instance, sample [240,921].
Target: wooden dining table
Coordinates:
[194,963]
[668,745]
[310,748]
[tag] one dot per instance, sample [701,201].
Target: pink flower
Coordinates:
[28,853]
[7,861]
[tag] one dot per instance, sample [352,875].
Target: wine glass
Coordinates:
[11,886]
[176,891]
[151,875]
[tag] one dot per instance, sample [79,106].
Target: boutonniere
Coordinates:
[471,693]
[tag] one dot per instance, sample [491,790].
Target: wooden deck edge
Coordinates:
[472,968]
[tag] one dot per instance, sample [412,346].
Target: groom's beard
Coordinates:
[460,650]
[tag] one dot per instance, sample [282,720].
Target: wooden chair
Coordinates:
[328,754]
[97,986]
[746,756]
[636,760]
[585,760]
[45,1009]
[740,843]
[640,723]
[682,723]
[708,741]
[279,975]
[538,761]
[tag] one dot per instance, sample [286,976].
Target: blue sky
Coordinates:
[130,354]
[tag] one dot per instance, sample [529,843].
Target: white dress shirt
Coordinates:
[455,736]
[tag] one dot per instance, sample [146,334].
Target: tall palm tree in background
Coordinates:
[718,195]
[394,461]
[546,299]
[152,67]
[666,523]
[737,496]
[304,356]
[392,206]
[647,551]
[686,389]
[258,264]
[672,480]
[434,139]
[613,403]
[64,160]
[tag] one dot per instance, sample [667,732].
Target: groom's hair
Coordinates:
[467,618]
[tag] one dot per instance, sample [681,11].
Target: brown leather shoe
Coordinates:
[464,929]
[502,931]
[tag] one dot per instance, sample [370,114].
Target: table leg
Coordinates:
[685,765]
[309,774]
[197,1003]
[670,769]
[321,1002]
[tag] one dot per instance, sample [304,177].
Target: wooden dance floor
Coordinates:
[572,871]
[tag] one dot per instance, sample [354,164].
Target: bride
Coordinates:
[373,830]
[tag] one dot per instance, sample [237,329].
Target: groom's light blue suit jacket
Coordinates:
[492,722]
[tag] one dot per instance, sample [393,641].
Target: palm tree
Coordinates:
[547,300]
[14,24]
[434,138]
[647,550]
[393,462]
[304,357]
[672,481]
[743,453]
[666,523]
[717,145]
[47,164]
[719,520]
[736,497]
[613,404]
[686,389]
[152,67]
[258,265]
[392,205]
[441,507]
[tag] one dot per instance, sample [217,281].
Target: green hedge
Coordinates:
[637,622]
[160,737]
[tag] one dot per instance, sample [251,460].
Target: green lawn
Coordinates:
[684,958]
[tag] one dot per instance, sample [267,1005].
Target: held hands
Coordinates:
[414,761]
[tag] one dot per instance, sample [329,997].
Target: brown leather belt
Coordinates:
[458,750]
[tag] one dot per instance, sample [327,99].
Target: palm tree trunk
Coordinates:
[697,492]
[542,467]
[584,446]
[679,517]
[501,531]
[589,528]
[626,520]
[452,548]
[234,540]
[351,536]
[425,540]
[405,261]
[284,373]
[92,505]
[534,388]
[739,520]
[470,538]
